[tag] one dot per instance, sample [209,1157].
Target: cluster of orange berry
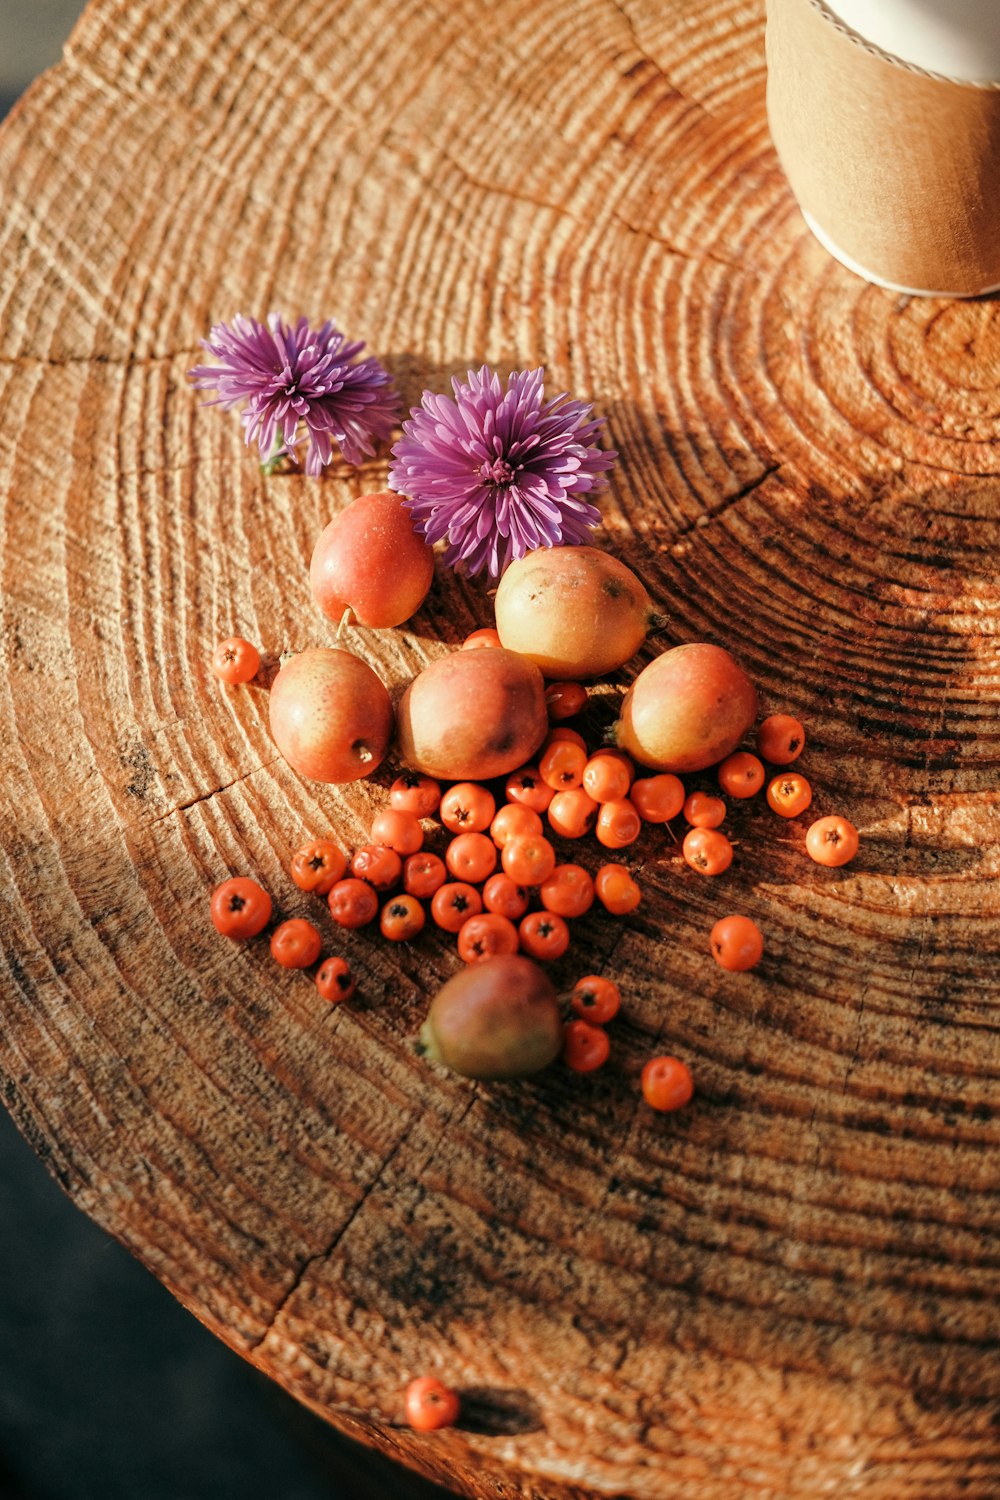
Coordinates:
[499,858]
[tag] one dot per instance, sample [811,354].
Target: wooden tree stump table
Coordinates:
[790,1288]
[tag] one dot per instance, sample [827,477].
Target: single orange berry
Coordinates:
[707,850]
[453,904]
[528,859]
[737,944]
[607,776]
[572,814]
[658,798]
[295,944]
[240,908]
[235,660]
[512,821]
[430,1404]
[467,807]
[666,1083]
[397,830]
[832,841]
[471,857]
[543,934]
[423,874]
[789,794]
[505,897]
[616,890]
[402,917]
[413,793]
[317,866]
[563,732]
[565,699]
[585,1047]
[618,824]
[780,739]
[477,639]
[741,774]
[352,903]
[702,810]
[486,935]
[527,787]
[569,891]
[596,999]
[334,980]
[380,866]
[561,766]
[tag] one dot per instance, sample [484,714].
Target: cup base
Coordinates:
[892,286]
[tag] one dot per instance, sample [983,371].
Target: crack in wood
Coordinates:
[657,67]
[727,504]
[324,1254]
[215,792]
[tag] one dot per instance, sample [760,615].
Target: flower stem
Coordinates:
[274,458]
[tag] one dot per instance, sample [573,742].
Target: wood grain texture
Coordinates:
[789,1289]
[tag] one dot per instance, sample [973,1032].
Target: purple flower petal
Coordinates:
[498,472]
[287,378]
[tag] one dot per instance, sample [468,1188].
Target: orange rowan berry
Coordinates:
[561,766]
[527,787]
[334,980]
[528,859]
[423,874]
[832,841]
[666,1083]
[596,999]
[702,810]
[235,660]
[414,793]
[707,850]
[513,821]
[618,824]
[471,857]
[453,904]
[477,639]
[789,794]
[317,866]
[585,1046]
[352,903]
[380,866]
[572,814]
[295,944]
[607,776]
[780,739]
[658,798]
[398,830]
[467,807]
[741,774]
[505,897]
[486,935]
[565,699]
[430,1404]
[240,908]
[617,892]
[401,918]
[569,891]
[737,944]
[543,934]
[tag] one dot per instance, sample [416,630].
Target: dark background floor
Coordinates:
[109,1390]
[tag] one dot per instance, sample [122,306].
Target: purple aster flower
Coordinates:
[287,376]
[499,472]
